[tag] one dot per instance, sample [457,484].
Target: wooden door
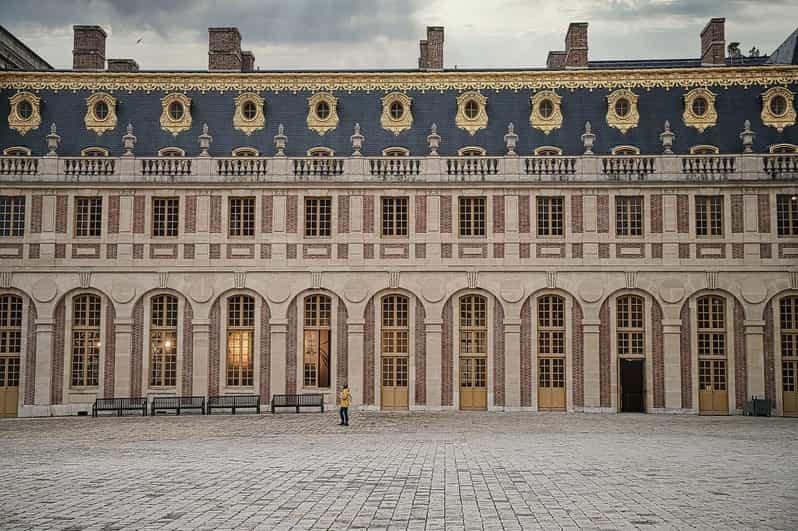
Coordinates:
[473,384]
[713,396]
[633,386]
[394,383]
[9,386]
[789,373]
[551,384]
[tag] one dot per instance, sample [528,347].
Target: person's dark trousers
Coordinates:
[344,412]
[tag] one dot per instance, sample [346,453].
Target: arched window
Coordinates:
[10,351]
[171,152]
[163,341]
[245,152]
[704,149]
[321,152]
[551,352]
[395,351]
[626,150]
[712,351]
[317,341]
[783,148]
[471,151]
[630,328]
[17,151]
[473,351]
[94,152]
[547,151]
[240,340]
[395,152]
[788,313]
[85,340]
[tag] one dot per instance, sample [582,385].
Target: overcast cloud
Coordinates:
[384,33]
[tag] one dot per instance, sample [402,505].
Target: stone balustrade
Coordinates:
[597,169]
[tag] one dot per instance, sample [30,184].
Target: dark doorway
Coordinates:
[633,388]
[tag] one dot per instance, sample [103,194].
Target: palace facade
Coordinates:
[598,236]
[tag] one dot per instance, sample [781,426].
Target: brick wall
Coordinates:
[420,354]
[683,213]
[61,209]
[603,213]
[740,369]
[265,353]
[524,224]
[578,355]
[605,365]
[137,348]
[267,213]
[368,214]
[769,352]
[138,214]
[30,356]
[215,225]
[291,214]
[113,214]
[215,319]
[57,353]
[421,214]
[686,357]
[190,224]
[525,367]
[187,377]
[36,214]
[447,359]
[110,350]
[369,353]
[577,220]
[656,213]
[498,214]
[446,214]
[576,45]
[713,42]
[291,348]
[342,343]
[343,214]
[737,213]
[498,354]
[763,203]
[658,354]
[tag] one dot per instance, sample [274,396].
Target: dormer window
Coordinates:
[245,152]
[24,109]
[171,152]
[250,110]
[622,107]
[700,106]
[471,109]
[176,110]
[783,148]
[625,150]
[704,150]
[323,110]
[321,152]
[94,152]
[547,151]
[471,151]
[396,152]
[17,151]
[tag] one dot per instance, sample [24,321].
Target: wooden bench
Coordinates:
[757,407]
[298,401]
[177,403]
[119,405]
[233,402]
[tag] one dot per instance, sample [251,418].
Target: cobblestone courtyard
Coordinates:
[399,471]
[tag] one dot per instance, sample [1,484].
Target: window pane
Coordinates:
[12,216]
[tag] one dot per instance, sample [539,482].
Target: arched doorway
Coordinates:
[712,341]
[473,347]
[630,337]
[551,353]
[10,352]
[788,324]
[394,352]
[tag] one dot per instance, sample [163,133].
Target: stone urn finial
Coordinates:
[434,141]
[666,137]
[357,141]
[748,136]
[511,139]
[52,141]
[280,140]
[588,138]
[205,140]
[129,141]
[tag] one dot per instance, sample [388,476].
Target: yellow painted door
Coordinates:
[713,396]
[9,386]
[473,384]
[394,383]
[551,384]
[789,373]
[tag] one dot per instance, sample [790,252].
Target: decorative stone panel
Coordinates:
[577,222]
[498,250]
[215,225]
[421,214]
[686,357]
[656,213]
[190,224]
[710,250]
[656,250]
[139,219]
[163,251]
[523,250]
[447,359]
[603,213]
[498,214]
[524,224]
[215,251]
[291,214]
[36,214]
[85,250]
[420,354]
[550,250]
[737,213]
[684,251]
[61,206]
[421,250]
[576,250]
[60,250]
[738,251]
[765,251]
[11,251]
[630,250]
[265,251]
[472,250]
[343,251]
[113,214]
[446,214]
[394,251]
[368,251]
[604,250]
[316,251]
[34,251]
[240,251]
[343,214]
[763,203]
[267,213]
[188,251]
[683,213]
[605,365]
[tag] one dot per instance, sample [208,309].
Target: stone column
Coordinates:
[201,329]
[512,364]
[755,358]
[672,333]
[434,345]
[278,328]
[123,334]
[590,330]
[355,331]
[589,226]
[44,349]
[202,247]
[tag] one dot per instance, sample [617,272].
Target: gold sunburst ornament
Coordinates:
[248,115]
[100,113]
[546,113]
[175,113]
[778,108]
[699,109]
[471,112]
[622,110]
[396,114]
[25,112]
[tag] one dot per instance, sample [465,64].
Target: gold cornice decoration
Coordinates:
[93,121]
[480,120]
[704,121]
[322,124]
[547,124]
[171,124]
[770,118]
[16,120]
[240,121]
[630,119]
[686,78]
[405,121]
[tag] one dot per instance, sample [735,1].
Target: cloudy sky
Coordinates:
[288,34]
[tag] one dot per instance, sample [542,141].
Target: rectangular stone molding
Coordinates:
[434,348]
[123,328]
[354,332]
[512,362]
[201,330]
[755,357]
[672,332]
[590,331]
[44,347]
[278,329]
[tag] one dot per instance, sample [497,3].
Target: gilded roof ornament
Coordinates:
[100,113]
[546,112]
[622,110]
[25,114]
[397,114]
[248,115]
[471,112]
[699,109]
[778,108]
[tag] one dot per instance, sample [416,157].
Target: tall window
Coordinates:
[472,216]
[629,215]
[473,344]
[394,216]
[788,313]
[395,332]
[550,216]
[709,215]
[711,329]
[551,341]
[85,340]
[88,216]
[10,339]
[240,339]
[165,216]
[317,341]
[630,326]
[241,213]
[787,214]
[317,217]
[163,341]
[12,216]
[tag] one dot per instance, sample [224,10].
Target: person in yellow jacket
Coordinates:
[345,401]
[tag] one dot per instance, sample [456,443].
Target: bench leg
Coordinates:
[178,411]
[257,408]
[272,409]
[234,410]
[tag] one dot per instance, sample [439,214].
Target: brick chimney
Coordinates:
[123,65]
[556,59]
[88,50]
[247,61]
[431,49]
[576,45]
[713,43]
[224,50]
